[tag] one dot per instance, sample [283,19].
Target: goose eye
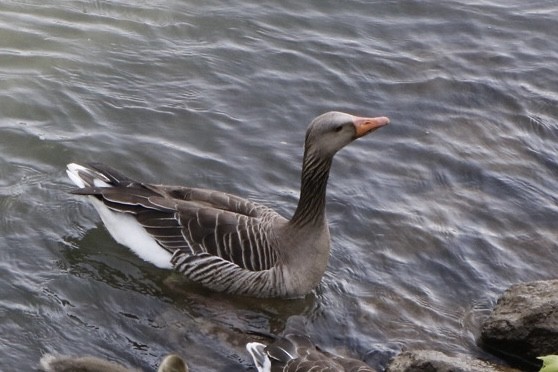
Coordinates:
[339,129]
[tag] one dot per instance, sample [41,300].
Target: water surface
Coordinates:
[431,217]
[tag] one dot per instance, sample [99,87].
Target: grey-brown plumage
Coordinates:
[63,363]
[295,352]
[224,242]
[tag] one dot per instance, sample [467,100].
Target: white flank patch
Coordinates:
[261,360]
[72,172]
[125,229]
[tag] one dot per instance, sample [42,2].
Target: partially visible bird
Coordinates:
[295,352]
[221,241]
[62,363]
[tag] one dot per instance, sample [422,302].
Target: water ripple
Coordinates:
[431,217]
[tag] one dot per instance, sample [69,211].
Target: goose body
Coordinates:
[61,363]
[295,352]
[221,241]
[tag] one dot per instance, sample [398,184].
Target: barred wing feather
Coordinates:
[195,221]
[196,229]
[221,275]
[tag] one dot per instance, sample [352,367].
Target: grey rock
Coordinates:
[435,361]
[524,322]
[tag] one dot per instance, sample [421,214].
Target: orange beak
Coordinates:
[363,126]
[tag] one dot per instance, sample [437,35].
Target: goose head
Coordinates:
[330,132]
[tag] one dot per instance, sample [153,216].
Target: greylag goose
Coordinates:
[59,363]
[221,241]
[294,352]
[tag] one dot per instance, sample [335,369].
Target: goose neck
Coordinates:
[311,204]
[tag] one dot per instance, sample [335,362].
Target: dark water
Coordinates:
[431,217]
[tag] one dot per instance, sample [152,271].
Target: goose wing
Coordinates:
[192,221]
[223,225]
[219,240]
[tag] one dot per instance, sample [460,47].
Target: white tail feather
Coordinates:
[124,228]
[261,360]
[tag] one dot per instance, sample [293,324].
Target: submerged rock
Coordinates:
[524,322]
[435,361]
